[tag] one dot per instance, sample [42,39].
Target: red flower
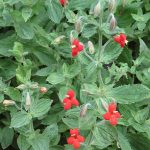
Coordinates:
[70,100]
[70,94]
[77,47]
[75,139]
[63,2]
[74,132]
[121,39]
[112,115]
[67,104]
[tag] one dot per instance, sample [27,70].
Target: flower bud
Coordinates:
[43,90]
[91,47]
[113,22]
[28,101]
[84,109]
[97,9]
[112,5]
[71,37]
[78,25]
[58,39]
[8,102]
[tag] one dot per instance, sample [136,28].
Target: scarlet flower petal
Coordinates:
[122,37]
[74,52]
[80,47]
[75,42]
[117,39]
[80,138]
[71,94]
[62,2]
[74,132]
[122,44]
[70,140]
[66,100]
[67,105]
[76,144]
[107,116]
[74,102]
[117,114]
[112,107]
[113,120]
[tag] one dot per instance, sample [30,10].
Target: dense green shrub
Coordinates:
[38,67]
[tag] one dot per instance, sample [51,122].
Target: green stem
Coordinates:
[87,55]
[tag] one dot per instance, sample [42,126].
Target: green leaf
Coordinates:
[44,58]
[24,30]
[91,89]
[51,132]
[72,118]
[23,72]
[139,142]
[79,5]
[70,15]
[54,10]
[20,119]
[142,115]
[1,97]
[39,142]
[17,51]
[123,141]
[55,78]
[43,72]
[143,46]
[13,93]
[6,44]
[89,30]
[88,121]
[40,107]
[128,94]
[111,52]
[26,13]
[7,137]
[72,70]
[103,136]
[22,143]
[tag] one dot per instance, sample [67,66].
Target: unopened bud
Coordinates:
[84,109]
[8,102]
[104,104]
[113,22]
[43,90]
[112,5]
[28,101]
[71,37]
[91,47]
[97,9]
[58,39]
[78,25]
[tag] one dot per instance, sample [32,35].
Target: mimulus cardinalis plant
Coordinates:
[75,138]
[77,47]
[70,100]
[121,39]
[65,65]
[112,114]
